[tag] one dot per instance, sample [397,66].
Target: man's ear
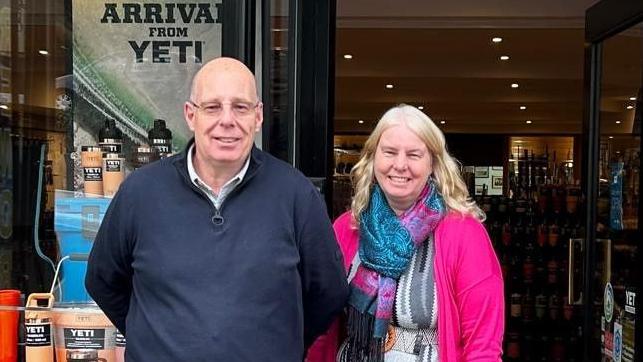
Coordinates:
[259,117]
[189,114]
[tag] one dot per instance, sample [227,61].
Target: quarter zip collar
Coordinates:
[216,198]
[180,162]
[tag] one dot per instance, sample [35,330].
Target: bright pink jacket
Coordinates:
[469,286]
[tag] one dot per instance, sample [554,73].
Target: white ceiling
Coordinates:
[439,54]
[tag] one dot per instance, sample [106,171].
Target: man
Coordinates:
[220,253]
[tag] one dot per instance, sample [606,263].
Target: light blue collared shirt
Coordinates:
[217,200]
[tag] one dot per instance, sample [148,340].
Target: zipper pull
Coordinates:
[217,219]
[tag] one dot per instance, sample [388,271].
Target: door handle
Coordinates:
[607,264]
[570,272]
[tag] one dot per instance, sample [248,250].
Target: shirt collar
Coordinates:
[194,176]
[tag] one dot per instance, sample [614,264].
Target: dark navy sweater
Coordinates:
[184,286]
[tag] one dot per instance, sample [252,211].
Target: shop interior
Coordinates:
[506,87]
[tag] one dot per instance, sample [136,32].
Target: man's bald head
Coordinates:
[222,65]
[224,113]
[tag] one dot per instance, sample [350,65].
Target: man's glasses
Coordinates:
[215,109]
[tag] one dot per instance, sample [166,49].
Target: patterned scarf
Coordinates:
[387,244]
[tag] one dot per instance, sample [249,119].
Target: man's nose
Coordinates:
[227,116]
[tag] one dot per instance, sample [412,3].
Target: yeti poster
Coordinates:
[133,61]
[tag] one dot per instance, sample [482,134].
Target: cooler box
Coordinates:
[76,222]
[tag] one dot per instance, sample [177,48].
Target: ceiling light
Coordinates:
[348,56]
[632,98]
[43,52]
[361,121]
[518,141]
[496,39]
[522,108]
[389,86]
[4,106]
[504,57]
[528,122]
[420,107]
[514,85]
[618,122]
[611,137]
[629,107]
[443,122]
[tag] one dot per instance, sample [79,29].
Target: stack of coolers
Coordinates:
[77,219]
[74,328]
[80,330]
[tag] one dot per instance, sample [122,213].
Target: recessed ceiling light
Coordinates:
[629,107]
[514,85]
[611,137]
[361,121]
[43,52]
[496,39]
[618,122]
[504,57]
[443,122]
[632,98]
[528,122]
[348,56]
[421,107]
[522,108]
[389,86]
[4,106]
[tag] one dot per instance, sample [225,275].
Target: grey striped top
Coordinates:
[416,309]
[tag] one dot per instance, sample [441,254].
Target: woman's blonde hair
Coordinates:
[446,170]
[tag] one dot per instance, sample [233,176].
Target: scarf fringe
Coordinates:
[361,346]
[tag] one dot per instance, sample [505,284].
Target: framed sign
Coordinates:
[482,171]
[133,61]
[496,182]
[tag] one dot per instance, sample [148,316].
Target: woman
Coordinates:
[425,281]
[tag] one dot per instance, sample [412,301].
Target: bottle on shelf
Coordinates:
[110,138]
[92,164]
[530,228]
[113,173]
[143,155]
[160,138]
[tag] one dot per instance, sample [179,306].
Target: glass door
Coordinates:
[298,69]
[613,133]
[617,210]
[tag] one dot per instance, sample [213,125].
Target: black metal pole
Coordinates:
[591,130]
